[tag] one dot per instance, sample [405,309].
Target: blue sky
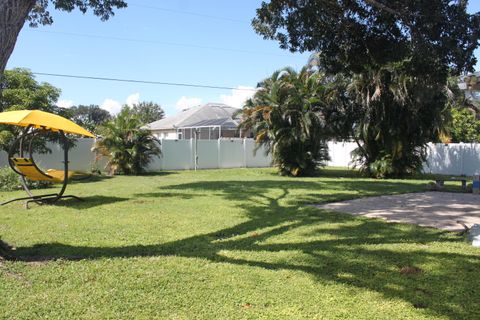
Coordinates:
[208,42]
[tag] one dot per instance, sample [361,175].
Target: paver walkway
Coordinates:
[433,209]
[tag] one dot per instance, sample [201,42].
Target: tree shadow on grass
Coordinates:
[334,248]
[85,202]
[330,172]
[250,191]
[158,173]
[89,202]
[87,178]
[333,172]
[166,194]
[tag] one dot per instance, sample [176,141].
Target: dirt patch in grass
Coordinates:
[410,271]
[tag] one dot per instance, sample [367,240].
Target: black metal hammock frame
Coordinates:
[28,169]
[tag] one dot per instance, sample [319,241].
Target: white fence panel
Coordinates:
[231,153]
[176,155]
[471,158]
[207,153]
[256,159]
[453,158]
[80,158]
[340,153]
[3,159]
[444,159]
[156,163]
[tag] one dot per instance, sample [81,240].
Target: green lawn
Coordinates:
[230,244]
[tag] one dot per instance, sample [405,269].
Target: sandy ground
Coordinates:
[433,209]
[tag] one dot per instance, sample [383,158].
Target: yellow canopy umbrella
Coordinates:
[25,166]
[42,120]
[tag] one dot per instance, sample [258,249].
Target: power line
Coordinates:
[187,13]
[184,45]
[373,3]
[176,84]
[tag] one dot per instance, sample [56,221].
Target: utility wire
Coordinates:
[174,44]
[176,84]
[188,13]
[372,3]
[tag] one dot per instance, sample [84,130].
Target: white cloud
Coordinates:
[238,96]
[65,103]
[186,103]
[114,106]
[133,99]
[111,106]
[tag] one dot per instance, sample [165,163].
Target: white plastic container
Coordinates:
[474,235]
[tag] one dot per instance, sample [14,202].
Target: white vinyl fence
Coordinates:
[81,157]
[210,154]
[454,159]
[176,155]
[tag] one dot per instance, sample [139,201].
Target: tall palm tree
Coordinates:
[285,117]
[128,148]
[400,115]
[390,114]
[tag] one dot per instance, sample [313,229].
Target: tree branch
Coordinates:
[381,6]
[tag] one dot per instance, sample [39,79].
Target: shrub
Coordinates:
[10,181]
[128,148]
[286,117]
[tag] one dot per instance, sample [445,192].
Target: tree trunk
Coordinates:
[13,14]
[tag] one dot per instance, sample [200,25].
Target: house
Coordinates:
[470,83]
[210,121]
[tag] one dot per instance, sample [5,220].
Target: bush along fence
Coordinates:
[452,159]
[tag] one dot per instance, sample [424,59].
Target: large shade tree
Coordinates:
[285,115]
[397,55]
[354,36]
[20,90]
[148,111]
[14,14]
[90,117]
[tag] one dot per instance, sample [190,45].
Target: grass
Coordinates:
[230,244]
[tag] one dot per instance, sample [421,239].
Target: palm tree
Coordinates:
[400,115]
[390,113]
[128,148]
[285,117]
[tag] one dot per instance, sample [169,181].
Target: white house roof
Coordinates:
[205,115]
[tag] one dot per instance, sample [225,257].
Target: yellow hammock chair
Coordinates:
[36,122]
